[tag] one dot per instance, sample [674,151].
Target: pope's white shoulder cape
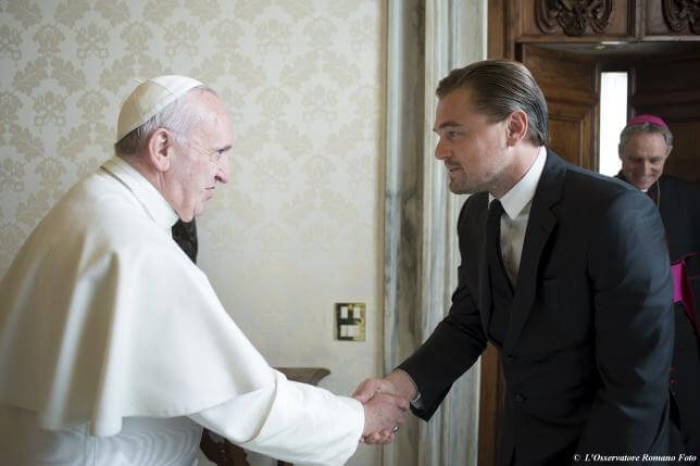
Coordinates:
[102,316]
[153,322]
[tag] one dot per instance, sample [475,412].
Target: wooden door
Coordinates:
[571,85]
[669,86]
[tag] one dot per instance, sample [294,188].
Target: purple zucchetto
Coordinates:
[647,118]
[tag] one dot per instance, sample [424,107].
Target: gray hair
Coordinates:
[645,127]
[180,117]
[500,87]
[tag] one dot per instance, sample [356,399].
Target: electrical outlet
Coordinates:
[350,321]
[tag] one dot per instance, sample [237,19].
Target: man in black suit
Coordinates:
[572,283]
[645,144]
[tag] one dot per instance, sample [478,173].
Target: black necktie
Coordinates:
[500,283]
[493,233]
[501,289]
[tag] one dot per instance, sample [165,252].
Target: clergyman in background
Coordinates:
[645,145]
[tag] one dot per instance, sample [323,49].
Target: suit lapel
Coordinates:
[484,277]
[540,225]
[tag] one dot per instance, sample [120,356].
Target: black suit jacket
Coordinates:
[587,355]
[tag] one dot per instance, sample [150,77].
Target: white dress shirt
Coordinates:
[516,204]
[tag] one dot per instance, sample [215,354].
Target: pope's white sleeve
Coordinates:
[290,421]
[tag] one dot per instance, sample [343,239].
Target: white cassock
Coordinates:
[115,350]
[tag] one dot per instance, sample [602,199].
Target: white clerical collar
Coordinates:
[520,195]
[150,198]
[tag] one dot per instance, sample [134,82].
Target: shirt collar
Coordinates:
[520,195]
[148,196]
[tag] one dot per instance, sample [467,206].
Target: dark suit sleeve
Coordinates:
[630,275]
[454,345]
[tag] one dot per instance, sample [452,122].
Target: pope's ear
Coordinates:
[160,149]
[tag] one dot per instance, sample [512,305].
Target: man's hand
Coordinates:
[398,387]
[383,414]
[370,387]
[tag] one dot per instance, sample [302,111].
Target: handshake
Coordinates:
[385,401]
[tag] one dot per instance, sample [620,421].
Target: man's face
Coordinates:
[643,158]
[201,160]
[472,148]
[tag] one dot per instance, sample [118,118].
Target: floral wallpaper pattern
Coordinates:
[301,78]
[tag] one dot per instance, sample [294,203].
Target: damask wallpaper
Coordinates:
[299,225]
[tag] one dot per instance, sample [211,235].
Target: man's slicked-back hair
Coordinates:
[498,88]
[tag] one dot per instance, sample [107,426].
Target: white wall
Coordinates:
[299,226]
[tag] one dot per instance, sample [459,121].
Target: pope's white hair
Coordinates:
[179,117]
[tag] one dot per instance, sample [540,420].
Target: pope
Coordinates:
[114,348]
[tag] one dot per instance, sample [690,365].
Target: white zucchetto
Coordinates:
[150,98]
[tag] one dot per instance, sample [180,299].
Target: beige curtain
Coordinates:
[426,39]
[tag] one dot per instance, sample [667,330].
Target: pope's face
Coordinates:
[201,159]
[643,158]
[470,145]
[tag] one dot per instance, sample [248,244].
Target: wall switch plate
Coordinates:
[350,321]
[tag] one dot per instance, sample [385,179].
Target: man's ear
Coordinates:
[516,128]
[160,149]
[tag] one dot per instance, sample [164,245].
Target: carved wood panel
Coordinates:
[672,18]
[556,20]
[575,17]
[519,21]
[682,15]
